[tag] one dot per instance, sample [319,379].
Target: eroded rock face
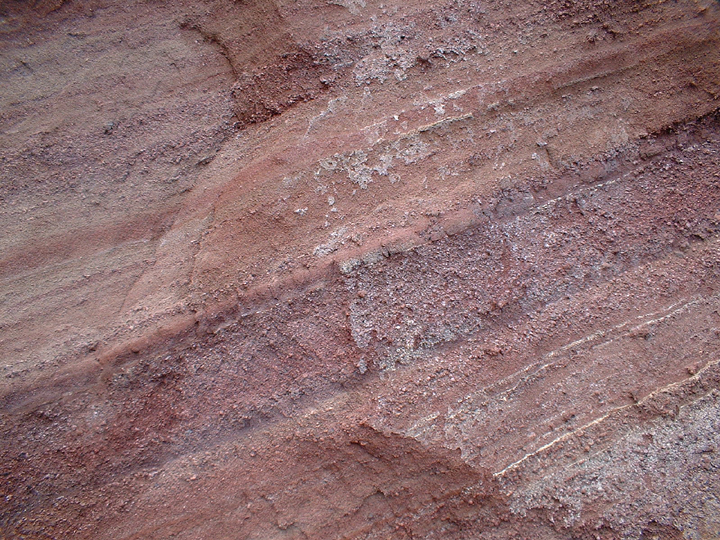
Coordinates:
[360,270]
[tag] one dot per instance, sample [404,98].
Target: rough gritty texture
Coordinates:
[350,269]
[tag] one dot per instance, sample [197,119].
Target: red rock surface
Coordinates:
[350,269]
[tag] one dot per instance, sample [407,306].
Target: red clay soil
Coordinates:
[350,269]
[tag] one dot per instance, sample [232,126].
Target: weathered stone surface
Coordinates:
[360,270]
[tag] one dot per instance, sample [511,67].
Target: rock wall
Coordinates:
[352,269]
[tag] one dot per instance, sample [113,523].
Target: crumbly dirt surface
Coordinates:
[351,269]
